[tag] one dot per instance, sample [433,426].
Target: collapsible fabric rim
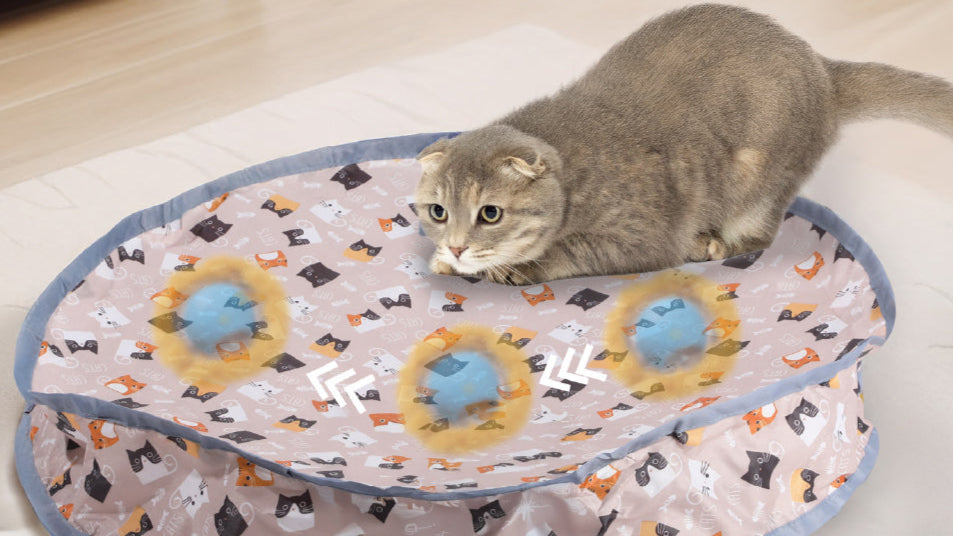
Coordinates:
[379,149]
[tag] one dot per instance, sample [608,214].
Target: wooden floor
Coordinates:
[82,78]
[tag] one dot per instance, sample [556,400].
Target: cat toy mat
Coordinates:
[269,353]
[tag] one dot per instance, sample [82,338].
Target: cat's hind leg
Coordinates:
[753,229]
[763,197]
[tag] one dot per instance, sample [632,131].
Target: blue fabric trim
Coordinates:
[828,508]
[848,237]
[400,147]
[44,506]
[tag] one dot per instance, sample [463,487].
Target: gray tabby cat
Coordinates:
[685,142]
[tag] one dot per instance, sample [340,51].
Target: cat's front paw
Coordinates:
[441,268]
[708,248]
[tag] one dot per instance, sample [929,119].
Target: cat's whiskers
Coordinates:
[512,268]
[528,260]
[493,271]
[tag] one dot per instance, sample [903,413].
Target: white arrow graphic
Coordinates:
[332,385]
[351,391]
[580,375]
[315,377]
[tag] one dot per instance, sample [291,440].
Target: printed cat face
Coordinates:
[147,464]
[445,301]
[384,365]
[481,515]
[802,485]
[544,415]
[318,274]
[302,236]
[415,267]
[496,167]
[232,351]
[330,212]
[228,520]
[109,316]
[512,390]
[301,309]
[361,251]
[354,440]
[203,391]
[169,298]
[800,358]
[280,205]
[250,474]
[394,297]
[760,468]
[587,299]
[730,291]
[602,481]
[761,417]
[619,410]
[230,414]
[295,513]
[125,385]
[283,362]
[655,474]
[294,424]
[351,176]
[743,262]
[103,434]
[81,340]
[131,250]
[703,477]
[271,259]
[806,421]
[538,294]
[193,492]
[60,482]
[138,523]
[569,332]
[797,311]
[259,390]
[516,336]
[170,322]
[96,484]
[211,228]
[722,327]
[446,365]
[396,227]
[366,321]
[829,329]
[809,267]
[442,339]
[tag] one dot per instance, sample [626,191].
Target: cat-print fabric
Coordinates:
[727,477]
[343,244]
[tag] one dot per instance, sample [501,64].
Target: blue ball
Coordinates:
[670,334]
[218,313]
[472,379]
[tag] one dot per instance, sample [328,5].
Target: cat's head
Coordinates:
[489,198]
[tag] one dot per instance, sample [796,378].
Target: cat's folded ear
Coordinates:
[432,156]
[531,164]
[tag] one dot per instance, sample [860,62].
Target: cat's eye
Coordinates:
[491,214]
[438,213]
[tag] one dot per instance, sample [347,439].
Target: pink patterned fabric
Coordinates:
[343,242]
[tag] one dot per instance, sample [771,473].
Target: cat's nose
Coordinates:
[458,251]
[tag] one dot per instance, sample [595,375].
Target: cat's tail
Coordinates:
[875,90]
